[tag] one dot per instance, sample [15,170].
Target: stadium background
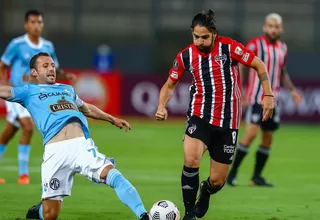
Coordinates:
[145,36]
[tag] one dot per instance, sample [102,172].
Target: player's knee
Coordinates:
[217,181]
[192,161]
[28,129]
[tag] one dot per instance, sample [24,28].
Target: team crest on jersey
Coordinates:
[223,58]
[192,128]
[62,105]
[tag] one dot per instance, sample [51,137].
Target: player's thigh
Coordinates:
[223,145]
[25,119]
[8,132]
[218,172]
[91,163]
[12,113]
[57,170]
[196,140]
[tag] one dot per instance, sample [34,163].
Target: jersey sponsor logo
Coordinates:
[54,184]
[222,58]
[62,105]
[174,75]
[175,64]
[245,57]
[44,96]
[238,51]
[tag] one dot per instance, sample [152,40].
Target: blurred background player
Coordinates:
[273,53]
[17,56]
[214,112]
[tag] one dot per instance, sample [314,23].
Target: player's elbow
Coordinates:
[258,65]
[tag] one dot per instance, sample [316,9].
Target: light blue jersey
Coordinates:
[19,53]
[51,107]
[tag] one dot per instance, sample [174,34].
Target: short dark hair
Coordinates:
[33,61]
[205,19]
[32,12]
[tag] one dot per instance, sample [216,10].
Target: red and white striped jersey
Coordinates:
[274,57]
[214,94]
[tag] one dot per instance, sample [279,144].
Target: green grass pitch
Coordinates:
[151,157]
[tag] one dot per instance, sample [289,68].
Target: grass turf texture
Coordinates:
[151,157]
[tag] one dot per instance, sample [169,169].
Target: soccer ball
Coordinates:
[164,210]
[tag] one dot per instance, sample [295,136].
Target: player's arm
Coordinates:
[287,83]
[168,88]
[248,58]
[5,92]
[92,111]
[3,73]
[61,75]
[7,59]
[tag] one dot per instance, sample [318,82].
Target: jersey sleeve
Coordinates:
[79,102]
[241,53]
[285,50]
[178,69]
[252,45]
[19,94]
[10,53]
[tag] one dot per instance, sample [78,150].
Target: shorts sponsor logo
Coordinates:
[45,187]
[228,149]
[54,184]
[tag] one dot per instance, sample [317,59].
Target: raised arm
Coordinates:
[94,112]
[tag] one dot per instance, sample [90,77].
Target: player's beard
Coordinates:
[206,49]
[272,39]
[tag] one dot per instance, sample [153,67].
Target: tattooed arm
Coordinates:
[268,100]
[261,69]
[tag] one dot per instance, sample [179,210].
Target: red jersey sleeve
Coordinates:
[241,54]
[177,69]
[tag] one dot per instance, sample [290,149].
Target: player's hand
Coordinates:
[120,123]
[244,101]
[71,77]
[162,114]
[296,97]
[268,107]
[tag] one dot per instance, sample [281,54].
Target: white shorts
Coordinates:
[62,160]
[15,111]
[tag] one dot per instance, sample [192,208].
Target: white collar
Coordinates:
[56,84]
[32,45]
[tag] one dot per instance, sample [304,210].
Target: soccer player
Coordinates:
[17,56]
[59,114]
[215,107]
[274,53]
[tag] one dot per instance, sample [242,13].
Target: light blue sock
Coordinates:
[40,212]
[2,150]
[125,191]
[23,157]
